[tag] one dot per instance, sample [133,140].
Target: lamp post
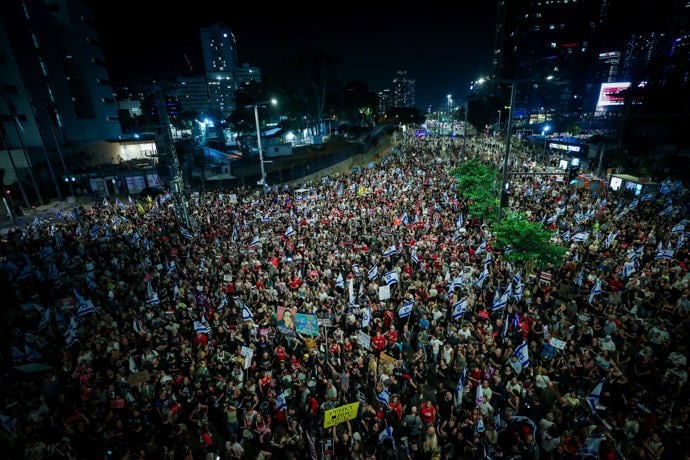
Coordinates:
[498,126]
[543,133]
[479,81]
[258,140]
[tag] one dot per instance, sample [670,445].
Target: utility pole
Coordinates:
[509,127]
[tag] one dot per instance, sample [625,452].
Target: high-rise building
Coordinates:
[403,90]
[554,39]
[385,100]
[55,91]
[220,60]
[192,92]
[640,50]
[247,73]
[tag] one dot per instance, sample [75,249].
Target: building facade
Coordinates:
[403,90]
[219,51]
[246,73]
[192,93]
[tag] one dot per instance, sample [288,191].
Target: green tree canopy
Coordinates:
[477,184]
[530,242]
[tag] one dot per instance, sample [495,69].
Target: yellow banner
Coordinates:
[340,414]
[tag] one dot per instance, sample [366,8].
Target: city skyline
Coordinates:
[442,51]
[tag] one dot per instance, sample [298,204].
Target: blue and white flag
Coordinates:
[366,318]
[566,235]
[373,272]
[482,247]
[500,302]
[482,276]
[387,434]
[552,219]
[71,332]
[579,279]
[391,278]
[201,328]
[517,278]
[667,211]
[628,269]
[590,448]
[610,239]
[247,314]
[596,290]
[105,202]
[86,308]
[480,428]
[413,256]
[580,237]
[255,242]
[664,253]
[460,388]
[634,203]
[281,403]
[679,227]
[406,309]
[595,396]
[460,222]
[487,261]
[383,397]
[522,353]
[391,250]
[339,281]
[479,395]
[646,197]
[290,231]
[459,309]
[186,233]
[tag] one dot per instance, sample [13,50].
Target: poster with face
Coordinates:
[286,319]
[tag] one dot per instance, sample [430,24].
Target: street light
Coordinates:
[498,127]
[543,133]
[509,126]
[258,138]
[478,82]
[449,97]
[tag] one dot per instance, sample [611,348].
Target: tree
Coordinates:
[477,184]
[530,242]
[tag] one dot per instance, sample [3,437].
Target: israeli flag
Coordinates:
[406,309]
[483,276]
[487,261]
[566,235]
[679,227]
[628,269]
[634,203]
[201,328]
[290,231]
[460,388]
[373,272]
[517,294]
[580,278]
[387,434]
[552,219]
[391,278]
[590,447]
[414,257]
[459,309]
[366,318]
[479,395]
[86,308]
[664,253]
[405,220]
[500,302]
[580,237]
[610,239]
[665,188]
[105,202]
[247,314]
[517,278]
[596,290]
[595,396]
[71,332]
[255,242]
[391,250]
[281,404]
[460,222]
[383,397]
[458,281]
[482,247]
[647,197]
[522,353]
[340,282]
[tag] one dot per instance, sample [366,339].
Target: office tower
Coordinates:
[385,100]
[403,90]
[192,93]
[246,74]
[220,60]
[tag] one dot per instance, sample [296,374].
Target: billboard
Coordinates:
[611,94]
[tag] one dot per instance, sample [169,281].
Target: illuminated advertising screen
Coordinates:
[611,94]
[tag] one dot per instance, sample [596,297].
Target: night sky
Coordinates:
[442,49]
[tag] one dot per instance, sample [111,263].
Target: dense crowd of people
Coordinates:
[128,335]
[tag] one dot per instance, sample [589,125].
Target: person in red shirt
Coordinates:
[392,335]
[280,353]
[427,412]
[379,342]
[396,406]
